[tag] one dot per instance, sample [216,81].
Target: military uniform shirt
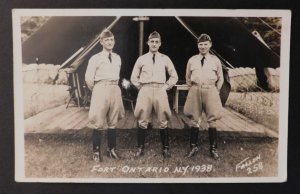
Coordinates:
[209,74]
[145,71]
[100,68]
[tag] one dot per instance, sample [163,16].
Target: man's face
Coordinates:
[204,47]
[154,44]
[108,43]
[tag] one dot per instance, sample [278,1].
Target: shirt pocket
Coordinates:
[195,66]
[159,68]
[101,65]
[146,73]
[213,67]
[146,68]
[118,64]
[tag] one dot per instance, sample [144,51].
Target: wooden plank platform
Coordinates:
[73,118]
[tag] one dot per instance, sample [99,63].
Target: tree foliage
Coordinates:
[268,27]
[31,24]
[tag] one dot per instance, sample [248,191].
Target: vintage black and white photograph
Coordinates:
[151,95]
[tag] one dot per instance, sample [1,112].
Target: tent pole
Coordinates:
[141,38]
[141,20]
[76,89]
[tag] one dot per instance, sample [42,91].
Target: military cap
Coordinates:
[204,38]
[106,33]
[154,35]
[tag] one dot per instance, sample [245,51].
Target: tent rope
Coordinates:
[269,26]
[196,36]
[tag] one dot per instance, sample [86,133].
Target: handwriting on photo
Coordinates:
[130,169]
[251,165]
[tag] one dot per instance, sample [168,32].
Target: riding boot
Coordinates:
[111,144]
[164,135]
[141,134]
[96,138]
[193,142]
[212,133]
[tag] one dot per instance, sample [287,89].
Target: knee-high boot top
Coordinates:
[111,143]
[212,133]
[164,135]
[193,142]
[96,138]
[141,134]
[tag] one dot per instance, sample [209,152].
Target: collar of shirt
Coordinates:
[207,56]
[105,53]
[151,54]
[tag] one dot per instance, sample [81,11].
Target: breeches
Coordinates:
[152,96]
[205,99]
[106,106]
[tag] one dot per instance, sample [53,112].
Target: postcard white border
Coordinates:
[284,83]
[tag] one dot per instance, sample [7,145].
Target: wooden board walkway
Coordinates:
[73,118]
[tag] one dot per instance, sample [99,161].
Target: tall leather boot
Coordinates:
[111,143]
[212,133]
[164,135]
[141,134]
[193,142]
[96,138]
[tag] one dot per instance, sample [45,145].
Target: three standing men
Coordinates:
[149,77]
[205,78]
[106,109]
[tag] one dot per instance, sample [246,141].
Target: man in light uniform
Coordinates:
[204,76]
[149,76]
[102,76]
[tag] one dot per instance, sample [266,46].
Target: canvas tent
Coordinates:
[61,37]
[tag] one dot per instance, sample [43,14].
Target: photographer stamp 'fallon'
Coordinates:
[251,165]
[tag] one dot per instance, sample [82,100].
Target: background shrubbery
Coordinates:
[261,107]
[264,27]
[31,24]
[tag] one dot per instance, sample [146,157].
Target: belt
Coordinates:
[155,85]
[202,85]
[107,82]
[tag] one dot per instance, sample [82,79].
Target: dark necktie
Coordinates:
[109,57]
[153,58]
[202,61]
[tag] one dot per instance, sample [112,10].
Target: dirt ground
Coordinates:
[69,155]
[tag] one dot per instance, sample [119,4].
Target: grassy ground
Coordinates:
[68,155]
